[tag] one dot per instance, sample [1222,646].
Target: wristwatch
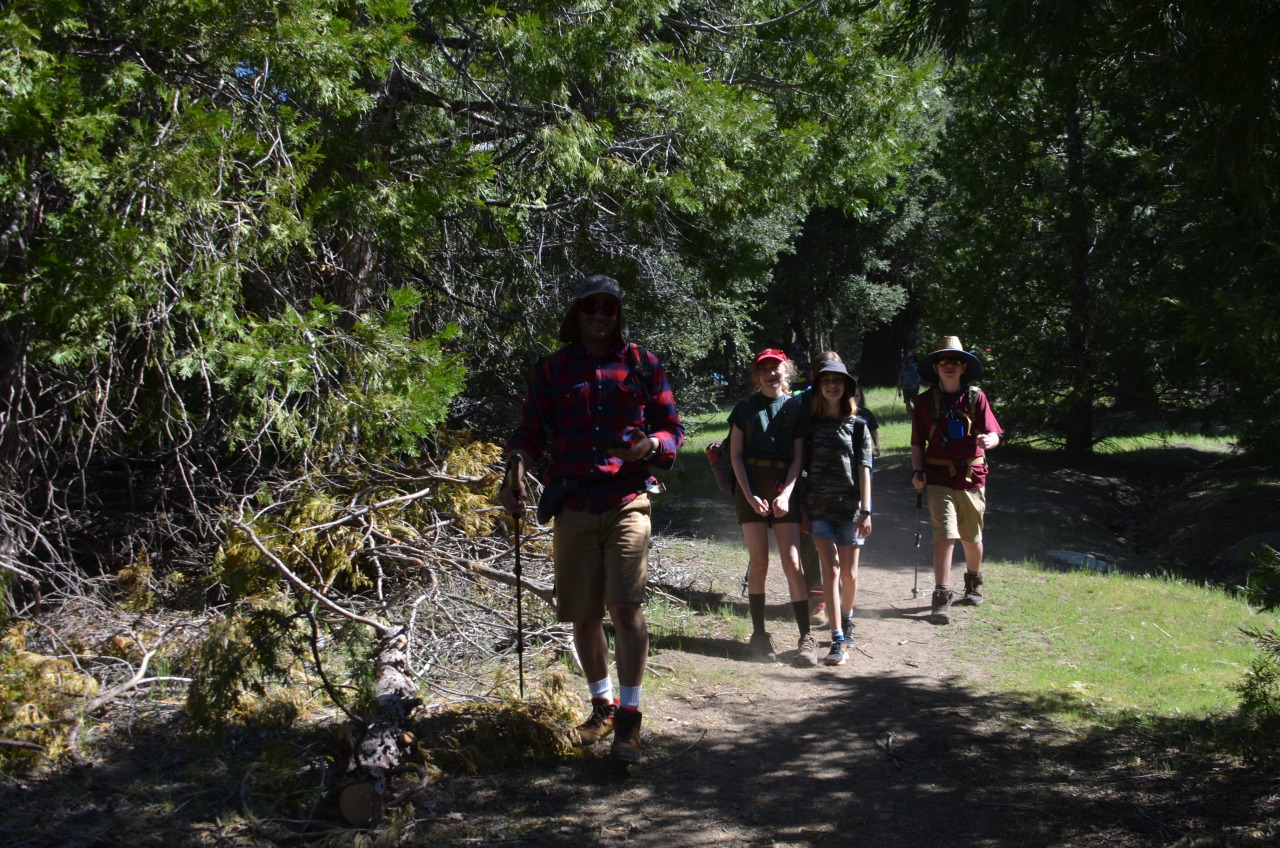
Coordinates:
[654,451]
[865,512]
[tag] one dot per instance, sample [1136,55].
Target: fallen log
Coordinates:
[376,748]
[378,752]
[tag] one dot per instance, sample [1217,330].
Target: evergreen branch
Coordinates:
[363,511]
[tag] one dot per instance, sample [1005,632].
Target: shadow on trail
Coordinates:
[887,761]
[707,646]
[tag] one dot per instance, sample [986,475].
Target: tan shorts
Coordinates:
[600,559]
[957,513]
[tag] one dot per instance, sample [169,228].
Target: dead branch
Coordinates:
[545,593]
[302,586]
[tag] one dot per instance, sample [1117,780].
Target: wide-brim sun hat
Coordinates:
[833,367]
[950,346]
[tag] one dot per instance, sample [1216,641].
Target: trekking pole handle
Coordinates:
[919,499]
[510,484]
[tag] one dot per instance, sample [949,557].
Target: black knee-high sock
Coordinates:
[756,605]
[801,609]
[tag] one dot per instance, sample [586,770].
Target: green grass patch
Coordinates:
[1161,440]
[891,416]
[1107,644]
[691,475]
[668,618]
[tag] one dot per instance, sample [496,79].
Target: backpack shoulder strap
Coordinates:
[542,379]
[639,359]
[750,410]
[935,395]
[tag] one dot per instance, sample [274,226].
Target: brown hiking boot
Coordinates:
[761,648]
[600,723]
[942,605]
[626,737]
[817,613]
[807,651]
[972,588]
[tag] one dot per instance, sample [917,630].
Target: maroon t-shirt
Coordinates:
[955,407]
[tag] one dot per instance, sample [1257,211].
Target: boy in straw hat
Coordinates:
[952,428]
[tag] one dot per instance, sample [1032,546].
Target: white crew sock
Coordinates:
[601,689]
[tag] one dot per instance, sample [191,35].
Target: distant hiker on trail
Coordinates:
[810,564]
[800,362]
[952,428]
[766,447]
[838,496]
[603,409]
[909,381]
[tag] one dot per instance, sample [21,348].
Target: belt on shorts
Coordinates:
[958,466]
[767,463]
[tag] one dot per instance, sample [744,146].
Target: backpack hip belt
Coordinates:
[767,463]
[957,466]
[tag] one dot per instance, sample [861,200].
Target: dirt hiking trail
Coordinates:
[900,746]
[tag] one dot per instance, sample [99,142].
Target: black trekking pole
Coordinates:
[746,578]
[915,588]
[519,589]
[520,614]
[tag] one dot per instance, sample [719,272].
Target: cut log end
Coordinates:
[358,802]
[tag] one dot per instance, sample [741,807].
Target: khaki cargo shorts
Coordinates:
[957,513]
[600,559]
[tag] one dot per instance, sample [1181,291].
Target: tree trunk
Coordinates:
[1079,422]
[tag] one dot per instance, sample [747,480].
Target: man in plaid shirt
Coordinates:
[603,410]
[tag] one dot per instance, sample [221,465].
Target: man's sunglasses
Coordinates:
[607,308]
[950,361]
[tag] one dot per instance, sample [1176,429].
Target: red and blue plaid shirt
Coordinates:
[578,404]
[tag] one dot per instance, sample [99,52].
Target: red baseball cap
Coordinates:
[767,354]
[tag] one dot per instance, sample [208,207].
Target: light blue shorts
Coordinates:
[845,533]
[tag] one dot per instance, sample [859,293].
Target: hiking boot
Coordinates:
[835,656]
[807,651]
[972,588]
[626,737]
[941,605]
[818,614]
[761,649]
[600,723]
